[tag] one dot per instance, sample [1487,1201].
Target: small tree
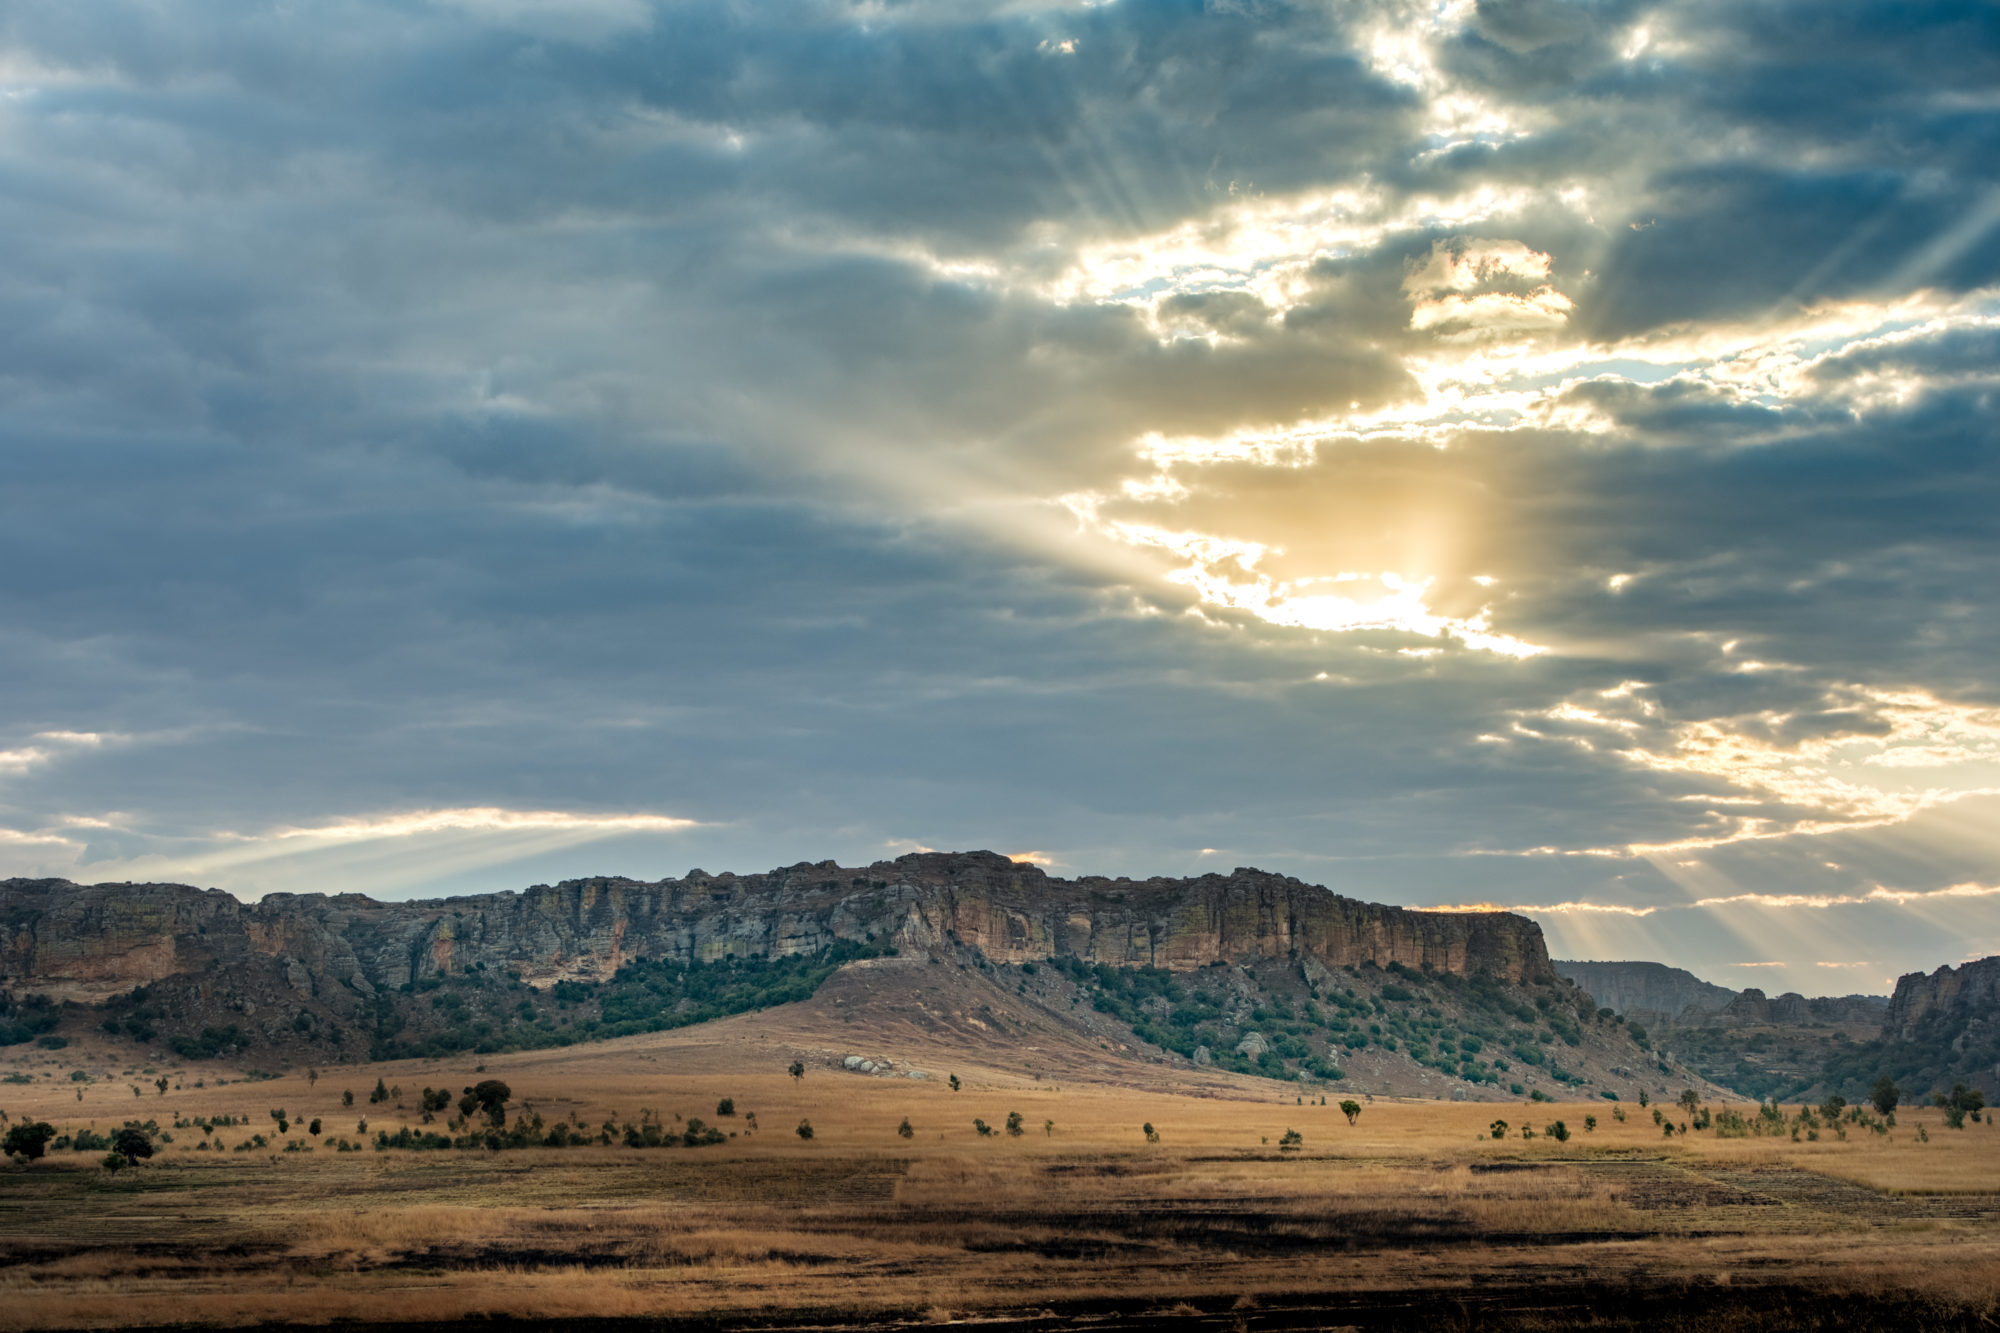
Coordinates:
[132,1143]
[1688,1100]
[805,1129]
[28,1140]
[1832,1107]
[1498,1129]
[798,1071]
[312,1077]
[954,1082]
[727,1106]
[1558,1131]
[1886,1096]
[904,1129]
[1351,1109]
[1291,1140]
[1013,1124]
[1644,1100]
[161,1084]
[313,1128]
[1048,1129]
[1589,1123]
[489,1095]
[347,1098]
[1152,1135]
[381,1093]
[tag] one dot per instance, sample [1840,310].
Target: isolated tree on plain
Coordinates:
[1351,1109]
[797,1070]
[1886,1096]
[1498,1129]
[132,1144]
[489,1095]
[1689,1100]
[904,1129]
[28,1140]
[954,1082]
[161,1084]
[805,1129]
[1014,1124]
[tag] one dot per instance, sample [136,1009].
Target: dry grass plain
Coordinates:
[1412,1217]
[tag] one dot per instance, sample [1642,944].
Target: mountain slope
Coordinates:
[1250,972]
[1648,993]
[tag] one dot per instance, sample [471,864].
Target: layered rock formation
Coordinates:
[311,962]
[1945,1003]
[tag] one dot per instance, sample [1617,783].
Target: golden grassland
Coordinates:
[859,1225]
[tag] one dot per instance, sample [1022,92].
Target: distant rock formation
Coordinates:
[1649,993]
[1939,1029]
[1944,1004]
[1794,1009]
[300,963]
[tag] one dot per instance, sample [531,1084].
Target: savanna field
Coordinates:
[1411,1214]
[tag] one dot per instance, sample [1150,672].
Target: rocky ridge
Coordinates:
[320,968]
[1649,993]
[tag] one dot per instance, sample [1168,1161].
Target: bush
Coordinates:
[28,1140]
[805,1129]
[1498,1129]
[1014,1124]
[904,1129]
[727,1106]
[132,1143]
[1292,1141]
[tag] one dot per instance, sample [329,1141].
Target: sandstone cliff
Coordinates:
[1944,1003]
[322,966]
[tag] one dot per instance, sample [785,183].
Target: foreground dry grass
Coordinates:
[1413,1211]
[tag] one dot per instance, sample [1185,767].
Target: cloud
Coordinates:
[1557,439]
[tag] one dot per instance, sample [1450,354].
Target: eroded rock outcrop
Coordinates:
[332,957]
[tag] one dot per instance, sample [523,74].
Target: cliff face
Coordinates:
[1651,993]
[1946,1003]
[210,957]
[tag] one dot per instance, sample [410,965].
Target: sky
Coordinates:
[1517,453]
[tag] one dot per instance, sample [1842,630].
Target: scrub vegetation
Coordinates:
[1341,1215]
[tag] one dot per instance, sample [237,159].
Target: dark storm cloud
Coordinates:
[662,407]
